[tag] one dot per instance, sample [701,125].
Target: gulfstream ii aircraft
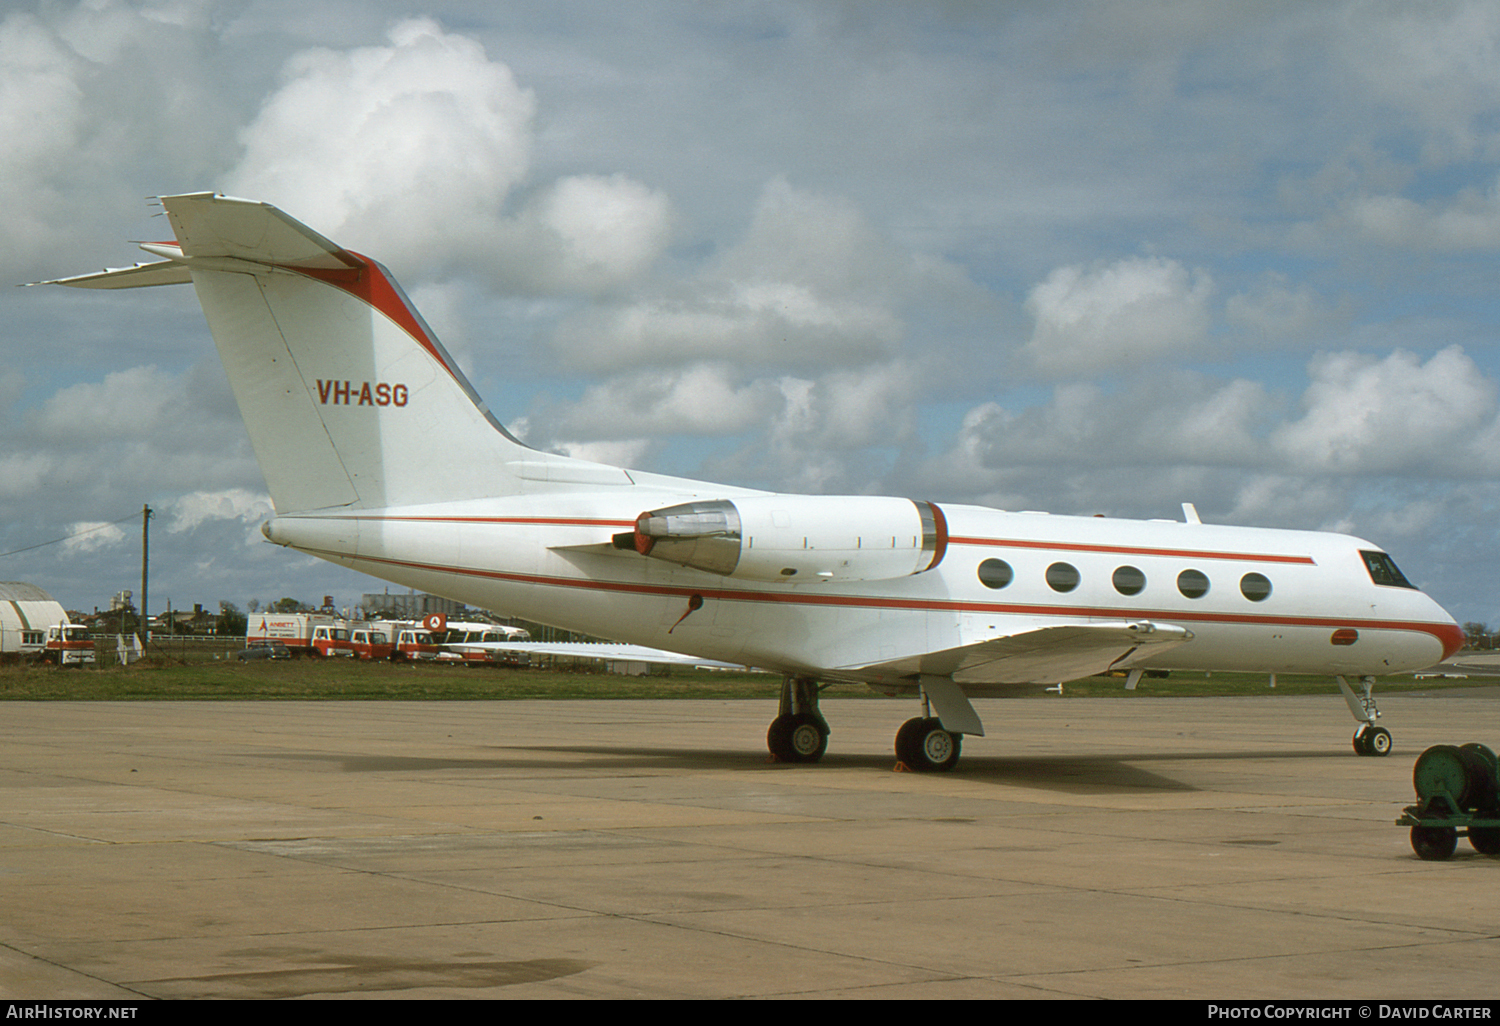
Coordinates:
[348,397]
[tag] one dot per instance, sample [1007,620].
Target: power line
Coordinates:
[69,537]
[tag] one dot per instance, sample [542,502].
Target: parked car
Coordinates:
[264,650]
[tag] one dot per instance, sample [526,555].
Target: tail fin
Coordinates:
[348,396]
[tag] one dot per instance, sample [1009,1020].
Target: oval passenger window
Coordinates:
[1255,587]
[1062,577]
[1193,583]
[995,573]
[1128,580]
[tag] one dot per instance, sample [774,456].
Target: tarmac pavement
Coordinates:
[1207,848]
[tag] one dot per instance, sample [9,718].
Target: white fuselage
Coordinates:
[1316,608]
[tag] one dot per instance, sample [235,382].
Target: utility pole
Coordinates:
[145,566]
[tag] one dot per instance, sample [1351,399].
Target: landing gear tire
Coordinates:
[1433,844]
[1370,740]
[923,745]
[798,738]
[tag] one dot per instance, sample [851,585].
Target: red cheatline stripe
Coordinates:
[1132,550]
[1442,632]
[370,285]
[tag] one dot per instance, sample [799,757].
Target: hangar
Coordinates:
[26,612]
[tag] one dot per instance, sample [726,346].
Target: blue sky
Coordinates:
[1083,257]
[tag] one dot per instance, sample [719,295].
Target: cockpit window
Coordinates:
[1383,570]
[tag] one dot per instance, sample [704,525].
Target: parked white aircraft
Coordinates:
[380,456]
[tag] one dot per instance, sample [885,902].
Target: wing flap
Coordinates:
[608,650]
[1045,655]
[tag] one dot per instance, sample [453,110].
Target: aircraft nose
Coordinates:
[1452,637]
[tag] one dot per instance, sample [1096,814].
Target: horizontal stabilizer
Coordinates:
[164,272]
[210,225]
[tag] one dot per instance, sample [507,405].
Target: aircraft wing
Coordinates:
[599,650]
[1044,655]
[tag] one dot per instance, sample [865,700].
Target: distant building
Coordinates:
[26,612]
[409,606]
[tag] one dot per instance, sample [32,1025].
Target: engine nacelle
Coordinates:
[796,539]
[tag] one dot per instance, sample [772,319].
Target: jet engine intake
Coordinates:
[795,539]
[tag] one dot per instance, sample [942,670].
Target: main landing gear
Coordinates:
[800,734]
[923,745]
[1368,738]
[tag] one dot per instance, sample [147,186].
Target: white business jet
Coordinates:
[380,456]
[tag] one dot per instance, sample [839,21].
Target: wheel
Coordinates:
[1486,840]
[1433,844]
[907,741]
[800,738]
[923,745]
[1371,740]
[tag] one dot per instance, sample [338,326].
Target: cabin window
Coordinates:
[995,573]
[1062,577]
[1128,580]
[1383,570]
[1193,583]
[1255,587]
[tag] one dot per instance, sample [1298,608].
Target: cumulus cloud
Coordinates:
[44,122]
[1132,311]
[812,431]
[90,95]
[1471,220]
[701,399]
[810,284]
[87,536]
[415,145]
[846,410]
[824,434]
[1234,448]
[1178,418]
[1437,62]
[630,452]
[24,474]
[138,402]
[1395,415]
[1275,310]
[40,98]
[590,232]
[412,151]
[196,508]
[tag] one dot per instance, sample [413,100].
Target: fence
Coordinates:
[188,648]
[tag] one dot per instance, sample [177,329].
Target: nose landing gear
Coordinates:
[1368,739]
